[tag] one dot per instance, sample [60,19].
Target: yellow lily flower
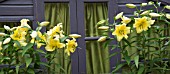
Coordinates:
[71,46]
[52,44]
[19,34]
[121,31]
[142,24]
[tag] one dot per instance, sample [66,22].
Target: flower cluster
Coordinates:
[22,42]
[142,38]
[53,39]
[142,21]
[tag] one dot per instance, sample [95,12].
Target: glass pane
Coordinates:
[96,55]
[94,12]
[59,13]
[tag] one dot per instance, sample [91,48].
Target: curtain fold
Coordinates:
[59,13]
[97,56]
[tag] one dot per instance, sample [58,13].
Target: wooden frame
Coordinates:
[73,28]
[112,4]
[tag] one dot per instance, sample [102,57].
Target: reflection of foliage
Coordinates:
[148,39]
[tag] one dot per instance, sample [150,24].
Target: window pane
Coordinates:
[94,12]
[59,13]
[96,55]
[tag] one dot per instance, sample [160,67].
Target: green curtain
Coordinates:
[59,13]
[97,56]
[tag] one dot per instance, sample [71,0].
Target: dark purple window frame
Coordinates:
[78,59]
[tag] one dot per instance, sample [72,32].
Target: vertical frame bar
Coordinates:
[73,26]
[38,13]
[113,9]
[81,41]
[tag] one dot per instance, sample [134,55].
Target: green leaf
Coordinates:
[6,46]
[6,58]
[127,42]
[28,46]
[18,44]
[113,54]
[63,39]
[141,69]
[43,63]
[17,69]
[127,58]
[31,71]
[118,67]
[40,51]
[28,61]
[136,59]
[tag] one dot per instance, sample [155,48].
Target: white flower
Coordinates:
[131,5]
[119,15]
[33,34]
[144,4]
[168,16]
[101,39]
[167,7]
[75,35]
[154,14]
[103,27]
[7,28]
[7,40]
[2,34]
[45,23]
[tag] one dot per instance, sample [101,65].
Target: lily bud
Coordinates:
[102,39]
[167,16]
[154,14]
[75,35]
[145,13]
[7,40]
[150,3]
[125,20]
[119,15]
[24,23]
[131,5]
[45,23]
[144,4]
[103,27]
[0,45]
[7,28]
[167,7]
[2,34]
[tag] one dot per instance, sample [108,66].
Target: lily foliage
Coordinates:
[21,47]
[143,38]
